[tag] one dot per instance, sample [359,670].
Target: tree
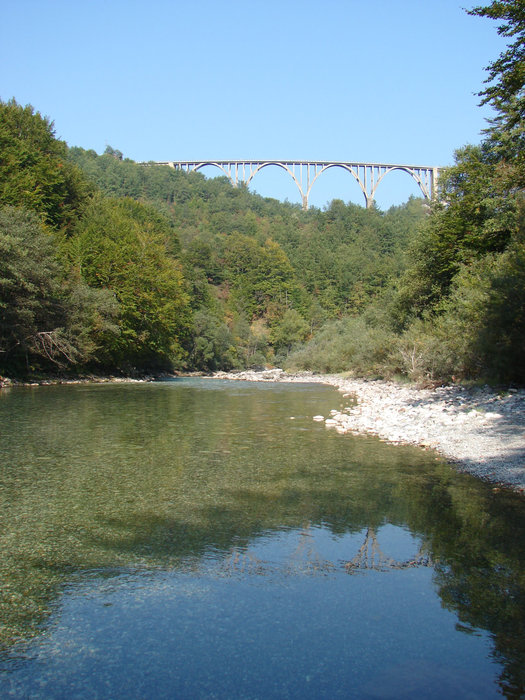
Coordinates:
[479,193]
[261,275]
[482,324]
[114,153]
[291,330]
[121,245]
[32,314]
[505,86]
[474,218]
[34,169]
[213,346]
[46,317]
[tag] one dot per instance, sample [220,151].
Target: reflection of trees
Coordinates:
[102,482]
[481,576]
[490,597]
[477,540]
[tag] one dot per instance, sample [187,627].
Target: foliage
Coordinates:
[29,287]
[151,267]
[92,318]
[473,218]
[35,171]
[291,331]
[347,344]
[45,319]
[121,245]
[483,322]
[505,86]
[460,302]
[261,276]
[345,255]
[213,345]
[342,256]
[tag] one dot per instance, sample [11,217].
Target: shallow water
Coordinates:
[206,539]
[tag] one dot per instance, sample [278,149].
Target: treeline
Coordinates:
[109,265]
[85,280]
[458,309]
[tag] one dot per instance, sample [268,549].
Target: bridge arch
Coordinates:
[414,174]
[216,164]
[344,166]
[285,167]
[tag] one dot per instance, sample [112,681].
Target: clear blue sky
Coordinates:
[368,80]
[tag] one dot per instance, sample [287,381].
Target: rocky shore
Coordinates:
[481,430]
[6,382]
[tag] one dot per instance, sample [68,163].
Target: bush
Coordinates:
[483,322]
[349,344]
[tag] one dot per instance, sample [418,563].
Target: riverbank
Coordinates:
[480,430]
[6,382]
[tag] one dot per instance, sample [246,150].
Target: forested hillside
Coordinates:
[109,265]
[458,310]
[112,265]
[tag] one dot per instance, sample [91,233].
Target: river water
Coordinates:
[201,538]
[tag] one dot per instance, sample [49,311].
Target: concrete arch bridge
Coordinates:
[305,173]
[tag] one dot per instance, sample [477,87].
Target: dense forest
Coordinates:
[107,265]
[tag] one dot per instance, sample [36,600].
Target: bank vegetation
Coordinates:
[107,265]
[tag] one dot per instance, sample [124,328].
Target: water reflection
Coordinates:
[211,486]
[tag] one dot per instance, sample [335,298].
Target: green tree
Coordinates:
[30,307]
[35,172]
[481,328]
[92,316]
[474,218]
[261,275]
[505,86]
[465,280]
[291,330]
[47,318]
[213,347]
[120,245]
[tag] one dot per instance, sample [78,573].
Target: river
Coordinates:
[201,538]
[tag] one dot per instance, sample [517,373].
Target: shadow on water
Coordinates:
[212,478]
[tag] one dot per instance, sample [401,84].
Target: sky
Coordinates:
[382,81]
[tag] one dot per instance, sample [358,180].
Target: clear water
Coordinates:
[206,539]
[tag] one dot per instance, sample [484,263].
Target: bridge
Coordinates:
[305,173]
